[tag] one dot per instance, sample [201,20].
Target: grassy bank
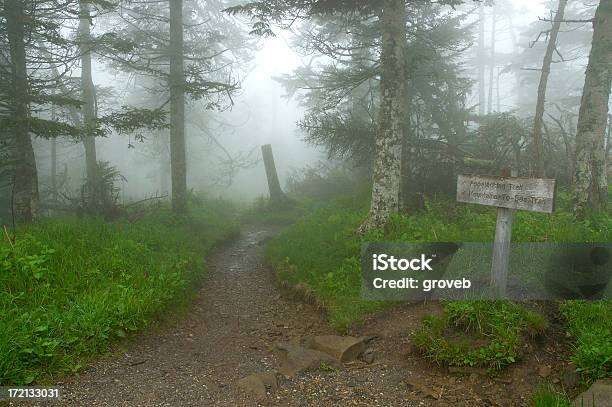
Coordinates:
[320,254]
[590,325]
[70,287]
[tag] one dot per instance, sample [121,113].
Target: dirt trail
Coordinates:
[226,336]
[231,332]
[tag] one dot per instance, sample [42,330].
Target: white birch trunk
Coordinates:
[590,183]
[387,164]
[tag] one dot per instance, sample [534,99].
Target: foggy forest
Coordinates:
[305,203]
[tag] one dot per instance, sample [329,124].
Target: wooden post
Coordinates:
[501,248]
[276,193]
[507,193]
[501,252]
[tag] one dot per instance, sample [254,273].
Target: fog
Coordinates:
[224,137]
[261,114]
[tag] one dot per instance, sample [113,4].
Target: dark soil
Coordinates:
[233,327]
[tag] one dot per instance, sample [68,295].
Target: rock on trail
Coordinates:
[244,344]
[199,360]
[342,348]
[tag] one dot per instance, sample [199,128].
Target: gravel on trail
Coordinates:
[232,331]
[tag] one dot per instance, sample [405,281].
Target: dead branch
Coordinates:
[145,200]
[8,237]
[590,20]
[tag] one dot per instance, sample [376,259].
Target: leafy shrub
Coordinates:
[100,196]
[324,181]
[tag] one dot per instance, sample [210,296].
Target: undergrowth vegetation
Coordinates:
[590,324]
[321,254]
[262,211]
[546,396]
[69,287]
[488,334]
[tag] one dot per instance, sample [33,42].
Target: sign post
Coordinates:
[507,194]
[501,252]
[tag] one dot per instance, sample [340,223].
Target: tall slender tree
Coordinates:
[590,183]
[538,121]
[177,108]
[390,121]
[25,178]
[492,60]
[387,164]
[89,104]
[481,60]
[26,86]
[179,51]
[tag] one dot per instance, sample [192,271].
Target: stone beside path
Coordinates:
[244,343]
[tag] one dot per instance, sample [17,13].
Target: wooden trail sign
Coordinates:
[507,194]
[528,194]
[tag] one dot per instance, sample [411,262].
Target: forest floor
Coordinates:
[232,331]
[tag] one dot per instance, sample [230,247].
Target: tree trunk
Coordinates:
[497,95]
[25,182]
[89,107]
[538,158]
[177,109]
[514,40]
[277,197]
[590,184]
[164,165]
[387,164]
[481,60]
[492,61]
[54,169]
[608,145]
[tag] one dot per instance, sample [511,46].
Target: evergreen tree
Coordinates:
[389,135]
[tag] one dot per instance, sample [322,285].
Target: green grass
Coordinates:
[70,287]
[489,334]
[590,324]
[545,396]
[447,221]
[321,253]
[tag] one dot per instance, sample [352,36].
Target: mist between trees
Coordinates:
[104,103]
